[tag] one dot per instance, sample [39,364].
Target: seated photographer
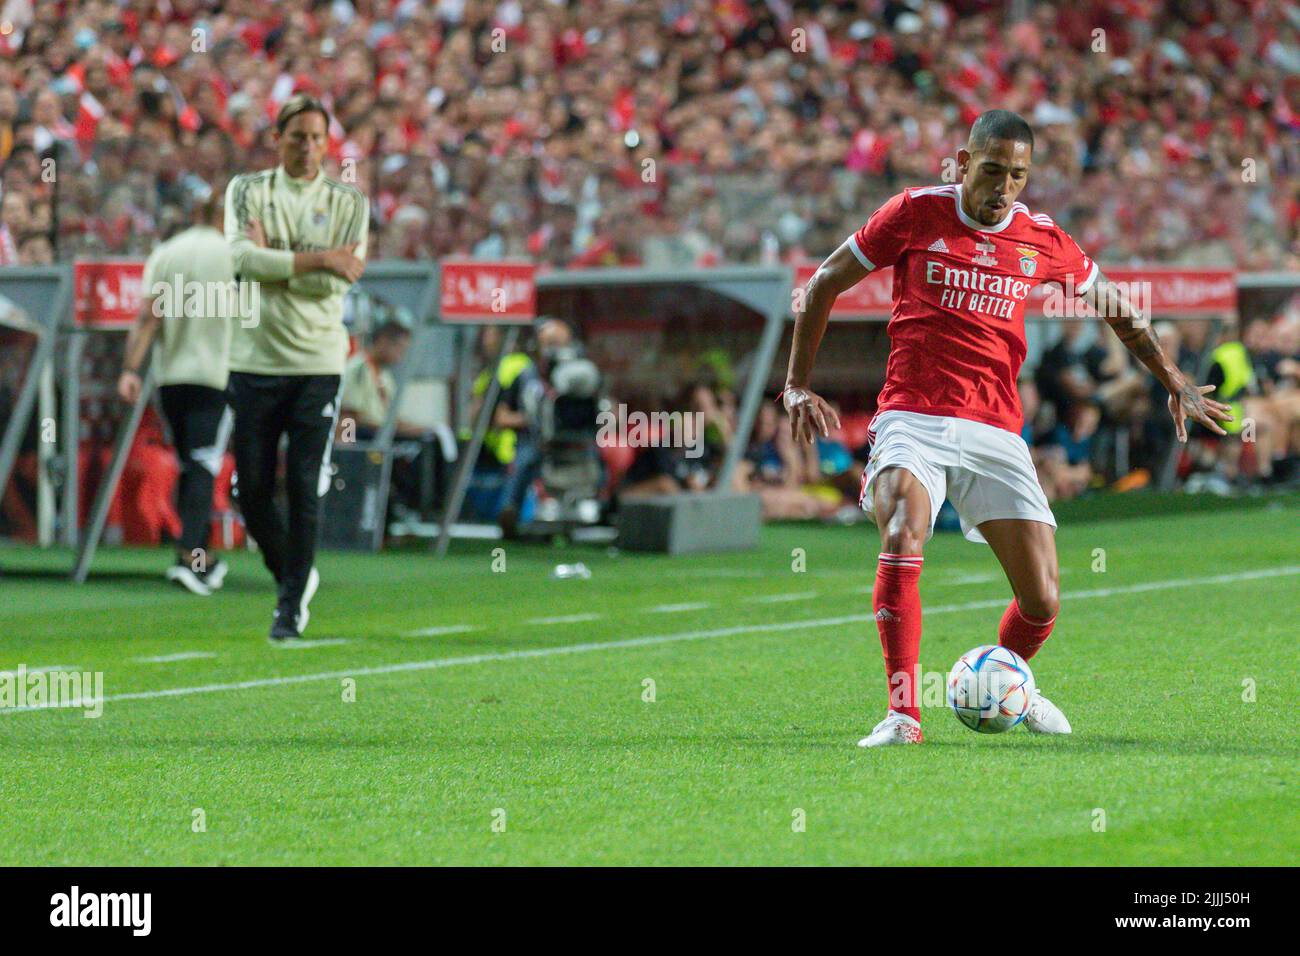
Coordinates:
[368,391]
[369,386]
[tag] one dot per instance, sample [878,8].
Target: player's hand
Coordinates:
[128,387]
[256,234]
[1189,401]
[343,262]
[809,414]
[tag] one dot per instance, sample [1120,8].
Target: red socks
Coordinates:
[897,602]
[1022,634]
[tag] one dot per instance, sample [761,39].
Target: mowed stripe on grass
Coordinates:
[647,641]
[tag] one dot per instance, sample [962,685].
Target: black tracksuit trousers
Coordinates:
[306,408]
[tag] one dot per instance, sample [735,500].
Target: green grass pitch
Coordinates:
[516,729]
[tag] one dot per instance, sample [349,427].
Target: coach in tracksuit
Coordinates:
[302,237]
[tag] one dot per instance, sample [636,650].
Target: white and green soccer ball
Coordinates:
[990,689]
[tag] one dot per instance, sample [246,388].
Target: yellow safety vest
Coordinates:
[501,442]
[1238,375]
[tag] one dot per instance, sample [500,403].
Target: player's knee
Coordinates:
[904,528]
[1043,603]
[903,539]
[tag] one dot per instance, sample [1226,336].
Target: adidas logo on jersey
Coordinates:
[938,246]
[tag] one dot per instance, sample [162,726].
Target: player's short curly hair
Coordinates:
[296,106]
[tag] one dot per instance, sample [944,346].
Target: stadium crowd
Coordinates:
[645,130]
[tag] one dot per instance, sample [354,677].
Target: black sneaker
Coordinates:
[284,626]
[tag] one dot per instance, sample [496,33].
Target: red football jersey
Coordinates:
[957,333]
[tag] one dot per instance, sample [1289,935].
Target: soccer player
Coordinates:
[965,258]
[193,368]
[302,237]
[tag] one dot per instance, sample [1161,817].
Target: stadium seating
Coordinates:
[600,135]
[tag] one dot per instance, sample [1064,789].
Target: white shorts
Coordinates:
[986,471]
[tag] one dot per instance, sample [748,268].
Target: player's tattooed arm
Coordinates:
[1186,399]
[1112,303]
[809,412]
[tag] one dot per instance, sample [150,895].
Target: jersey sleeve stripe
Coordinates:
[852,243]
[933,190]
[1086,284]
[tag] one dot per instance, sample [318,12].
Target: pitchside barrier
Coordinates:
[34,300]
[447,302]
[442,300]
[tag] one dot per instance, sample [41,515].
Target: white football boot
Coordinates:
[1044,717]
[896,728]
[216,576]
[183,575]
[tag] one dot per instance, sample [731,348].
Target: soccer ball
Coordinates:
[990,689]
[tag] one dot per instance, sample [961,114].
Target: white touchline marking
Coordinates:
[43,669]
[181,656]
[956,578]
[649,641]
[564,619]
[782,598]
[445,629]
[678,608]
[972,578]
[299,644]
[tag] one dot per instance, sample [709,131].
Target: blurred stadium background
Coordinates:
[667,136]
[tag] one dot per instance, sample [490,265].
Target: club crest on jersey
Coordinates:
[1028,257]
[984,254]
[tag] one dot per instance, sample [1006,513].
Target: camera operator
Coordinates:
[558,397]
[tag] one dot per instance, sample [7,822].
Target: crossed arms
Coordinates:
[316,274]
